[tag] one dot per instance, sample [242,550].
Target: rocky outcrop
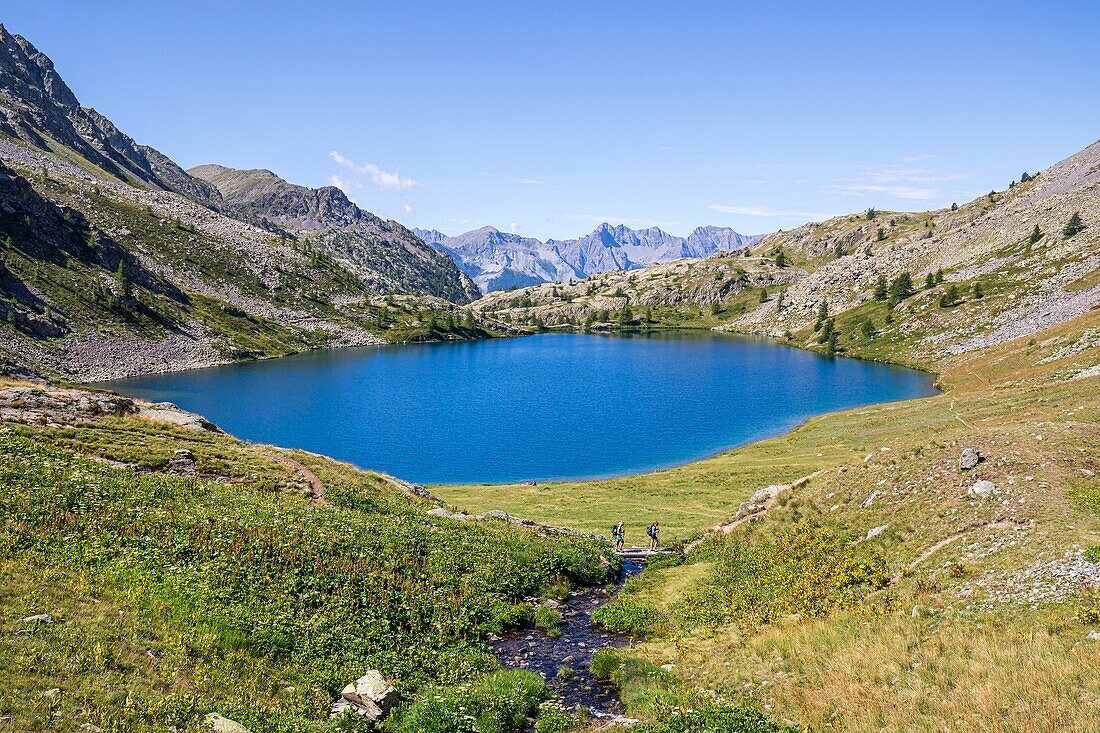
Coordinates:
[50,405]
[37,105]
[220,724]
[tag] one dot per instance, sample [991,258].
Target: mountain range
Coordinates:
[499,260]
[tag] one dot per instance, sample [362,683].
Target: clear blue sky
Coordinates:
[547,118]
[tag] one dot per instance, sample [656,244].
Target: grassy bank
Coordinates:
[959,613]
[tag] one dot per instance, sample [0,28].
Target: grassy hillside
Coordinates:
[174,596]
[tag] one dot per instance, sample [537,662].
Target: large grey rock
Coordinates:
[982,490]
[969,459]
[371,696]
[446,513]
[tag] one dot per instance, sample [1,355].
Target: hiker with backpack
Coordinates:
[617,536]
[653,531]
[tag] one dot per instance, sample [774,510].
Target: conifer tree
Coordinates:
[880,288]
[950,296]
[1074,225]
[1035,236]
[822,314]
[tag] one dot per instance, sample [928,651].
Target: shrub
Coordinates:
[712,717]
[626,616]
[498,702]
[553,718]
[1093,554]
[505,616]
[546,618]
[668,560]
[881,288]
[950,296]
[806,570]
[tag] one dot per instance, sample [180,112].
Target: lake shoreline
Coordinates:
[485,412]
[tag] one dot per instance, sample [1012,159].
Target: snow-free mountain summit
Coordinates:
[499,260]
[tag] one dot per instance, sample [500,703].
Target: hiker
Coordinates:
[653,531]
[617,535]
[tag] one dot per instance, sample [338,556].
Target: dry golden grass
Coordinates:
[899,674]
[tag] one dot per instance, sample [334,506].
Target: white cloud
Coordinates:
[896,181]
[345,186]
[514,227]
[908,193]
[529,181]
[407,207]
[766,211]
[382,179]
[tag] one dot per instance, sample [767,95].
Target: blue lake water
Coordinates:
[541,407]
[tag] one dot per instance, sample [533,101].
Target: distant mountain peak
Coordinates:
[499,260]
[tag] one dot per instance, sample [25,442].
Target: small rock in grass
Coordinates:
[1093,636]
[41,618]
[875,532]
[981,490]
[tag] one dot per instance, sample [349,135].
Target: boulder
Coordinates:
[869,500]
[221,724]
[371,696]
[982,490]
[875,532]
[446,513]
[969,459]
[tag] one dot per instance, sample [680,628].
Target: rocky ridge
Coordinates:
[1027,286]
[385,255]
[114,261]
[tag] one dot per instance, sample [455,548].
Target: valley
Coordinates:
[896,561]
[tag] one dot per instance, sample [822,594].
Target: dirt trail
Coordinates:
[758,509]
[994,524]
[317,489]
